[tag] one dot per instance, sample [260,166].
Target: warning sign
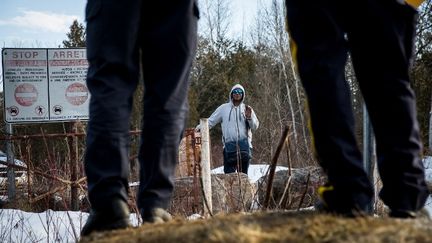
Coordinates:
[25,84]
[69,97]
[45,84]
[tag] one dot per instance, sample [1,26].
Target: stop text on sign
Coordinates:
[24,54]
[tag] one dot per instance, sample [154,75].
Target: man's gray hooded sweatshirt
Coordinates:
[235,127]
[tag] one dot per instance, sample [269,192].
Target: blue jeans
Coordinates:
[237,156]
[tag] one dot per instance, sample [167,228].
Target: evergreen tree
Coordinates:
[76,36]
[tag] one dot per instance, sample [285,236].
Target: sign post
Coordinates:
[205,167]
[430,128]
[11,161]
[369,156]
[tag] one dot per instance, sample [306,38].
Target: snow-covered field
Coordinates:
[64,226]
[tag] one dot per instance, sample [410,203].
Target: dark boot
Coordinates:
[114,217]
[155,215]
[329,202]
[406,214]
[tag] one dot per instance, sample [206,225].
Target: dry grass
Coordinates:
[275,227]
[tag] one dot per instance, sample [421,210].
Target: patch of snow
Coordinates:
[133,184]
[428,205]
[427,162]
[311,208]
[48,226]
[255,171]
[194,217]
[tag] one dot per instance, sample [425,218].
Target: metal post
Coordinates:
[369,155]
[205,167]
[430,129]
[73,148]
[11,161]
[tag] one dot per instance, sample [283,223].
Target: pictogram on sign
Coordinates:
[57,109]
[40,110]
[13,110]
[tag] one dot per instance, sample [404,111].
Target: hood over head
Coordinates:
[237,86]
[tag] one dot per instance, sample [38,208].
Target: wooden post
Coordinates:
[272,168]
[205,167]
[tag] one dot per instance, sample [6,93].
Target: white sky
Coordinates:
[44,23]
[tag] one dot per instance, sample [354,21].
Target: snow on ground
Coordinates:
[427,161]
[255,172]
[64,226]
[49,226]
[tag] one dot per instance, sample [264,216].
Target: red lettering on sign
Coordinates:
[78,62]
[24,63]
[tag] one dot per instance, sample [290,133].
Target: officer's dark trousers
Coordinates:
[378,34]
[160,36]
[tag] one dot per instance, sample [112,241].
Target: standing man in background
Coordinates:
[124,40]
[238,121]
[379,35]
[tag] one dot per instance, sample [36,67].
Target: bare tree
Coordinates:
[272,18]
[424,29]
[422,51]
[216,16]
[424,44]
